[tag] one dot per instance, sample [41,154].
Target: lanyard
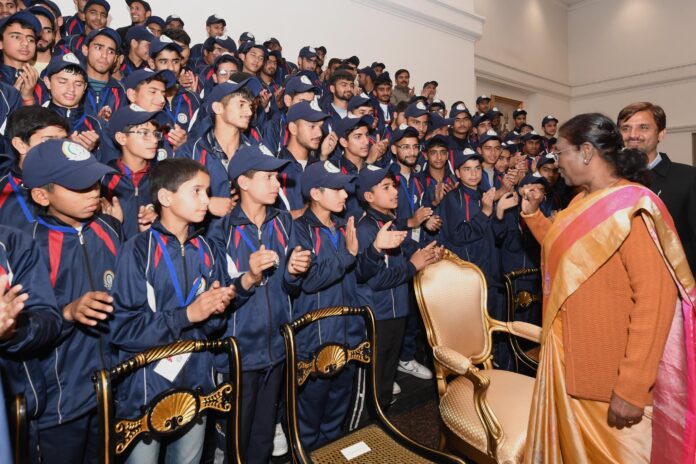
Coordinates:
[269,227]
[333,237]
[172,274]
[409,194]
[173,116]
[80,121]
[20,199]
[64,229]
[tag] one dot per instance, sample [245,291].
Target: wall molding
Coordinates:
[689,128]
[651,78]
[502,73]
[443,17]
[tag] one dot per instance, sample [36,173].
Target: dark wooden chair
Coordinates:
[518,300]
[386,443]
[173,411]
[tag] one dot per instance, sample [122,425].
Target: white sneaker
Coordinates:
[280,443]
[396,389]
[415,369]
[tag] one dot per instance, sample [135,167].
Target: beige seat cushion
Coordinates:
[509,396]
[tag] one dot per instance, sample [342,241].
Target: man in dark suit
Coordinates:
[643,126]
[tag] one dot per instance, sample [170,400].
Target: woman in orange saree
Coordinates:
[616,379]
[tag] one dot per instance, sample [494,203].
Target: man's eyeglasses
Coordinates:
[416,147]
[157,135]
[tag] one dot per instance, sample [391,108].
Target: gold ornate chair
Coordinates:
[385,442]
[174,410]
[520,300]
[485,411]
[19,428]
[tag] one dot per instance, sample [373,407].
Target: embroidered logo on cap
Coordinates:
[315,105]
[165,39]
[70,58]
[161,154]
[484,97]
[311,50]
[264,149]
[420,106]
[217,16]
[305,80]
[223,37]
[364,95]
[461,107]
[403,127]
[371,167]
[251,36]
[75,151]
[491,132]
[468,151]
[331,168]
[550,116]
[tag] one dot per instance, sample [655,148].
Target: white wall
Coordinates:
[432,38]
[523,54]
[622,51]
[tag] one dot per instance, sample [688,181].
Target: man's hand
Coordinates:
[112,208]
[146,216]
[26,81]
[328,145]
[622,413]
[377,150]
[487,201]
[433,223]
[351,237]
[212,301]
[421,215]
[507,201]
[441,190]
[259,261]
[429,254]
[11,303]
[177,137]
[90,308]
[387,239]
[299,261]
[88,139]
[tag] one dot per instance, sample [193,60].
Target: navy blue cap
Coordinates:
[161,43]
[272,40]
[534,178]
[62,162]
[299,84]
[480,98]
[493,112]
[437,141]
[215,19]
[139,33]
[246,46]
[142,2]
[457,109]
[227,57]
[55,9]
[256,157]
[246,36]
[226,88]
[103,3]
[433,83]
[106,31]
[518,112]
[512,136]
[368,71]
[277,53]
[136,77]
[404,130]
[509,146]
[416,109]
[308,52]
[43,11]
[461,157]
[435,122]
[479,118]
[127,116]
[156,20]
[356,101]
[548,118]
[308,111]
[325,175]
[172,18]
[544,159]
[489,135]
[60,62]
[226,42]
[383,78]
[531,136]
[345,125]
[23,17]
[369,177]
[439,103]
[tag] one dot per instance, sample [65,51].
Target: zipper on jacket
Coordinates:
[270,309]
[93,288]
[183,261]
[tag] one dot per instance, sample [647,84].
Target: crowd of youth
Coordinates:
[154,191]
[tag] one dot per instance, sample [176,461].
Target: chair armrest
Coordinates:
[525,330]
[452,360]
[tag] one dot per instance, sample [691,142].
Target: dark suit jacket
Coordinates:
[675,184]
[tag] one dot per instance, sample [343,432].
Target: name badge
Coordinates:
[415,234]
[170,367]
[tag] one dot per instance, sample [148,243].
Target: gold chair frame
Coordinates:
[172,411]
[19,428]
[449,363]
[329,360]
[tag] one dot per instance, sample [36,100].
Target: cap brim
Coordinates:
[84,176]
[264,163]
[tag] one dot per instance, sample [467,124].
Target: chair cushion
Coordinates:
[509,396]
[384,449]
